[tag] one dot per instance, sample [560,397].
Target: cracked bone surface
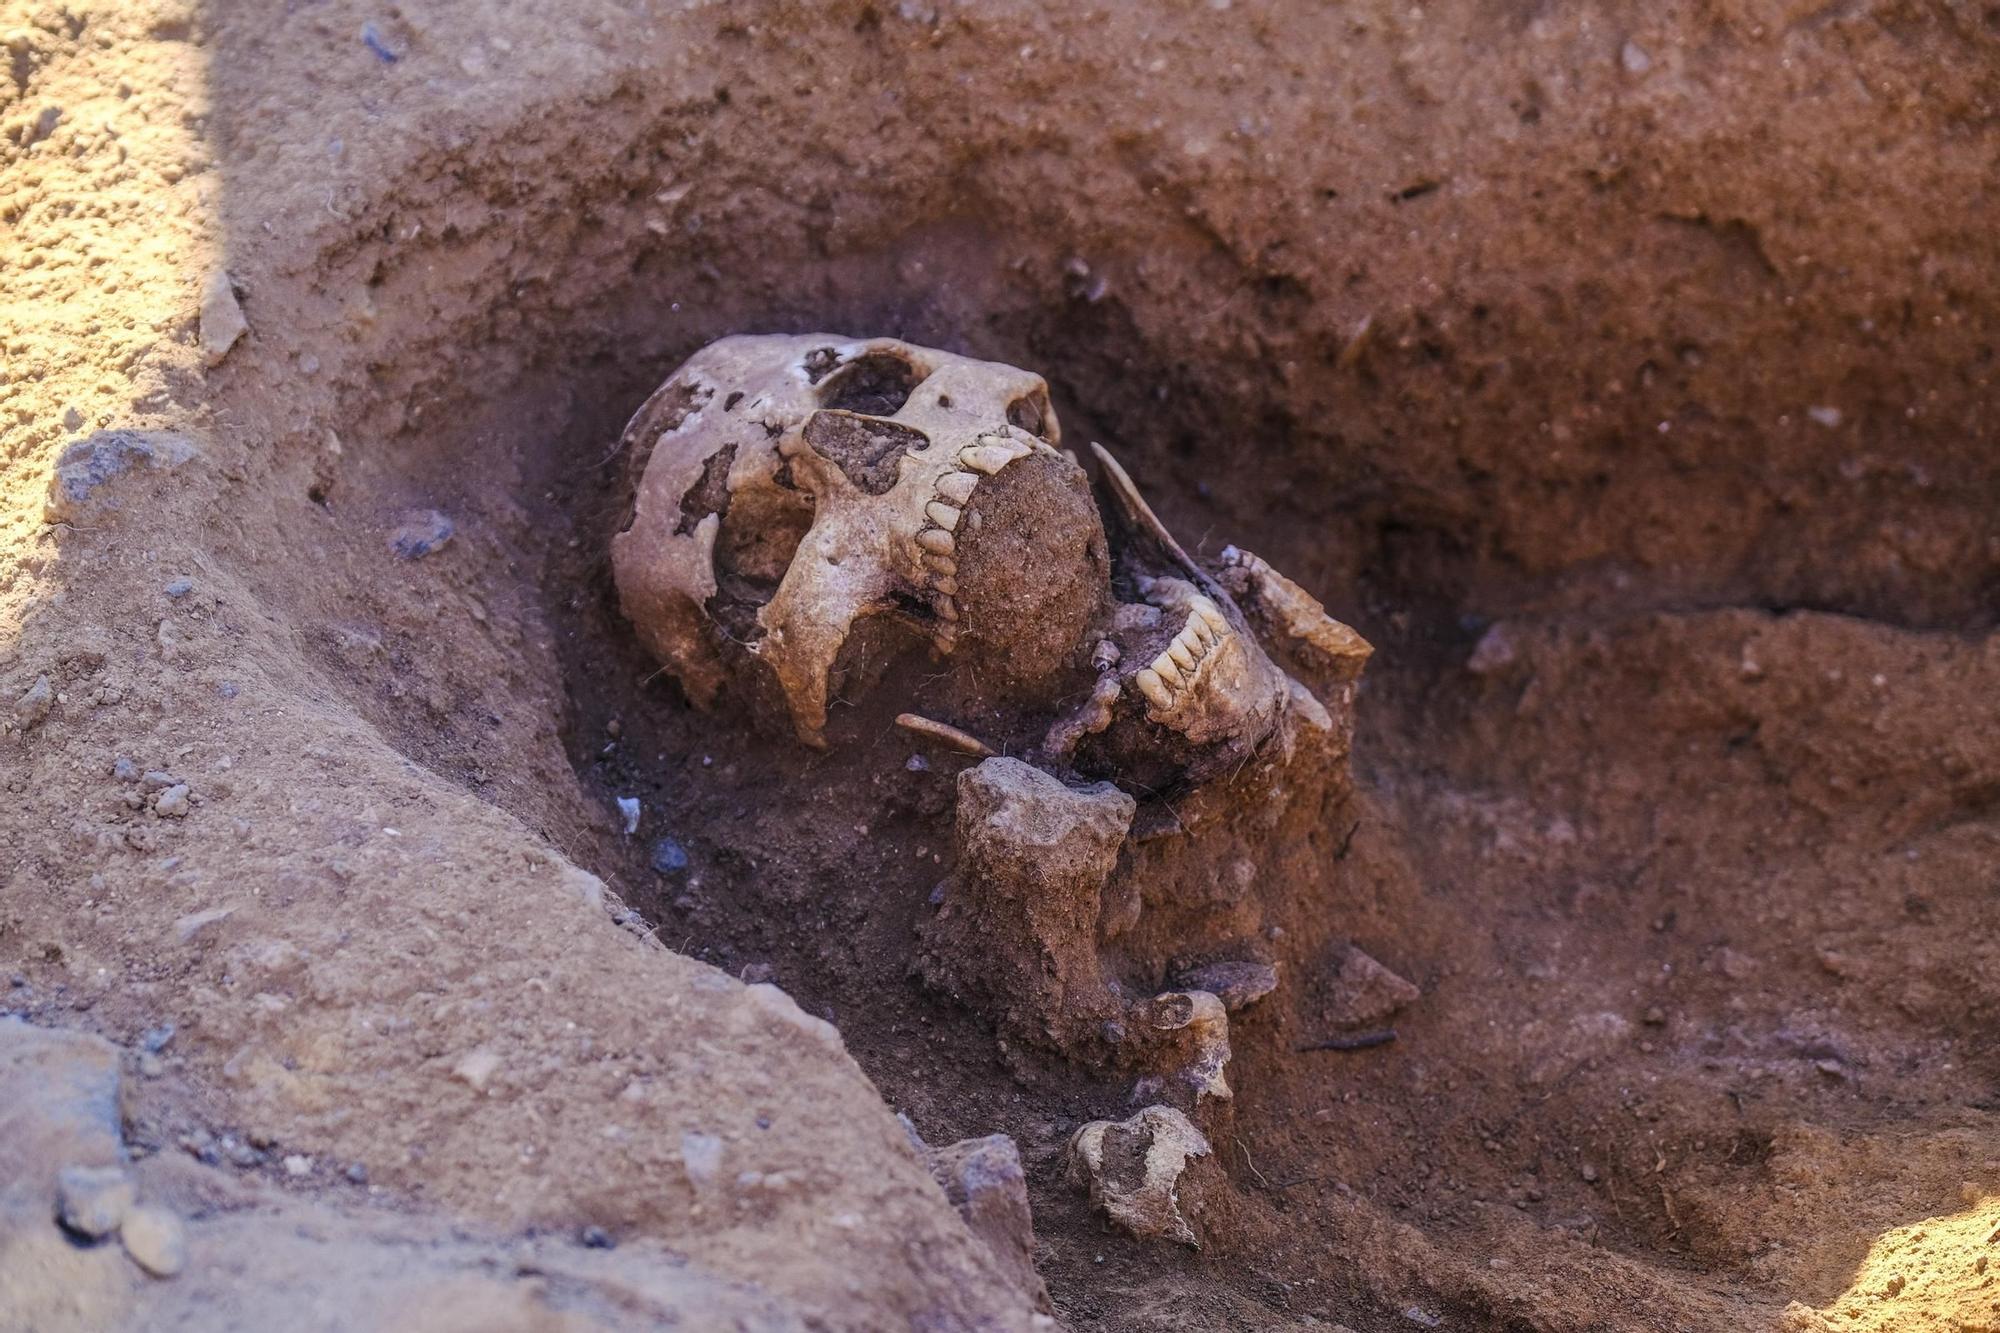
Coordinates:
[794,487]
[1132,1169]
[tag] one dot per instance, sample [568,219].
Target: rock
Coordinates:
[155,781]
[86,465]
[222,321]
[32,708]
[701,1158]
[422,534]
[596,1238]
[628,814]
[1493,653]
[1237,984]
[984,1181]
[1016,931]
[1364,992]
[476,1069]
[187,927]
[173,802]
[124,770]
[92,1200]
[180,587]
[669,857]
[298,1164]
[1132,1168]
[153,1237]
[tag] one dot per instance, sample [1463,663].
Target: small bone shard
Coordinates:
[1132,1169]
[1016,933]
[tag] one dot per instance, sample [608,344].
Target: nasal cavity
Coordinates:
[875,385]
[865,448]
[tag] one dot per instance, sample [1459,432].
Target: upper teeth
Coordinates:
[1175,669]
[937,544]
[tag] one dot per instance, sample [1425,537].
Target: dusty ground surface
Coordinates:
[1624,373]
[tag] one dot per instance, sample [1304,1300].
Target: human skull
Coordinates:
[794,486]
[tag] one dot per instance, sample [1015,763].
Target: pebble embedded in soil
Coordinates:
[33,707]
[423,534]
[92,1200]
[124,770]
[669,857]
[180,587]
[628,811]
[476,1069]
[222,321]
[154,1239]
[173,802]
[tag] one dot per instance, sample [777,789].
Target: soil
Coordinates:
[1624,374]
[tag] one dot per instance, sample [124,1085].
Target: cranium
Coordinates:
[795,486]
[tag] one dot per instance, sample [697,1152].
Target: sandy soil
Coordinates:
[1625,374]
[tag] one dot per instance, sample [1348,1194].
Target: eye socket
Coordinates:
[876,385]
[1032,415]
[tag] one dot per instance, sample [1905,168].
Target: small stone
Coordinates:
[92,1200]
[701,1158]
[755,974]
[1655,1017]
[422,534]
[154,1239]
[86,465]
[72,420]
[31,708]
[1588,1172]
[1237,984]
[596,1238]
[155,780]
[298,1164]
[1828,417]
[476,1069]
[628,813]
[669,857]
[187,927]
[241,1155]
[154,1040]
[1364,992]
[357,1173]
[1493,653]
[151,1066]
[173,802]
[1634,58]
[124,770]
[180,587]
[222,321]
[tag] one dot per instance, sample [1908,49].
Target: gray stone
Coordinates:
[33,707]
[173,802]
[92,1200]
[1237,984]
[86,465]
[984,1181]
[423,534]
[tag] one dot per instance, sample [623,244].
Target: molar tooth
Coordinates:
[947,586]
[987,458]
[956,486]
[1154,689]
[942,514]
[1164,668]
[937,541]
[1182,657]
[941,564]
[944,607]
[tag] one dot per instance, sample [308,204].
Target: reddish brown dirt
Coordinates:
[1625,374]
